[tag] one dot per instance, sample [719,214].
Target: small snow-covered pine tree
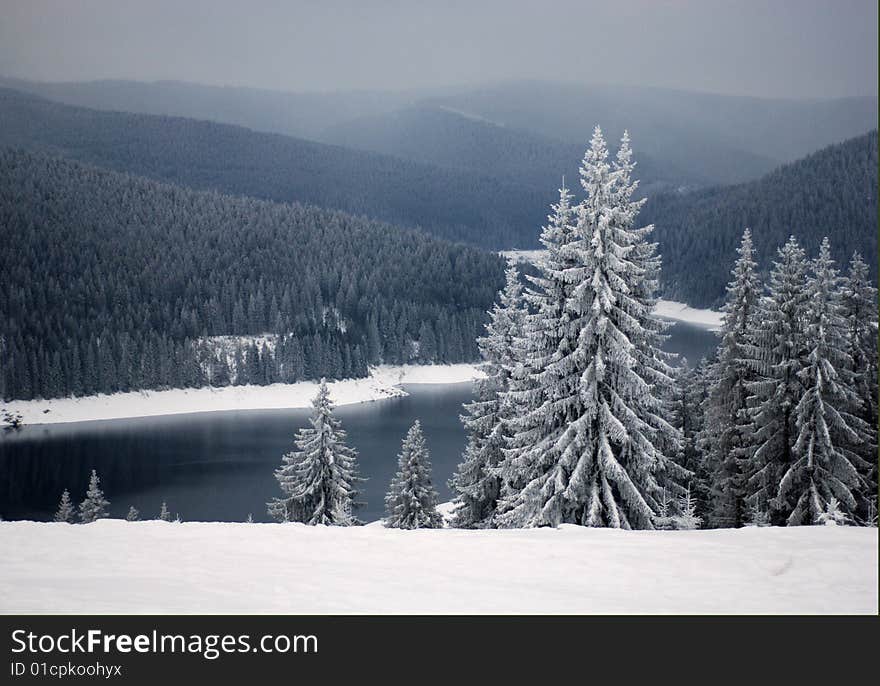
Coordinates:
[687,508]
[66,511]
[688,413]
[477,482]
[319,479]
[250,519]
[595,448]
[757,515]
[164,514]
[832,515]
[825,465]
[133,515]
[780,352]
[411,502]
[728,430]
[95,505]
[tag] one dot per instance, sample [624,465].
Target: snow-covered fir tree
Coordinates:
[133,515]
[164,514]
[411,502]
[780,354]
[95,505]
[250,518]
[860,311]
[66,511]
[595,450]
[319,479]
[825,465]
[727,433]
[533,348]
[477,481]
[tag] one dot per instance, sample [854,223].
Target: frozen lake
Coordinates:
[219,466]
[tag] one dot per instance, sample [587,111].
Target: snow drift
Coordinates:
[112,566]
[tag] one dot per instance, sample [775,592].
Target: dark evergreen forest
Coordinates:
[451,204]
[832,192]
[113,282]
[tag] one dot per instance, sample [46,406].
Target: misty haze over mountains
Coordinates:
[702,137]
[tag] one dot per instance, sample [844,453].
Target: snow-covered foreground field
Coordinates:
[383,382]
[155,567]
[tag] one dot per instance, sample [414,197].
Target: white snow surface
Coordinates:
[383,382]
[113,566]
[669,309]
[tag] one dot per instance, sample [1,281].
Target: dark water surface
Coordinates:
[219,465]
[215,465]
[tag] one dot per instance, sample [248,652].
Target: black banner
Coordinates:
[234,649]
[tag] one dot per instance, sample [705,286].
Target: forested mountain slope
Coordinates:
[831,193]
[452,204]
[439,136]
[115,282]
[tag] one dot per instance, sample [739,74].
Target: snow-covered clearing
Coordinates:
[670,309]
[383,382]
[112,566]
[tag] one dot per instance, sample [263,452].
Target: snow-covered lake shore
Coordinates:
[112,566]
[670,309]
[383,382]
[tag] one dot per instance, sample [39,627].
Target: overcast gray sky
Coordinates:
[796,48]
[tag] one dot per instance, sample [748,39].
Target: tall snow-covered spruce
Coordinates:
[595,449]
[727,433]
[533,348]
[825,473]
[779,354]
[411,502]
[477,482]
[318,480]
[860,311]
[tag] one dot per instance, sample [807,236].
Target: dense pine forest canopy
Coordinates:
[113,282]
[452,204]
[832,192]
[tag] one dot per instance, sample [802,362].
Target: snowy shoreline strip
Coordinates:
[384,382]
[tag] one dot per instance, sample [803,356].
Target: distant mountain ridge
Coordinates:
[676,124]
[441,136]
[719,139]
